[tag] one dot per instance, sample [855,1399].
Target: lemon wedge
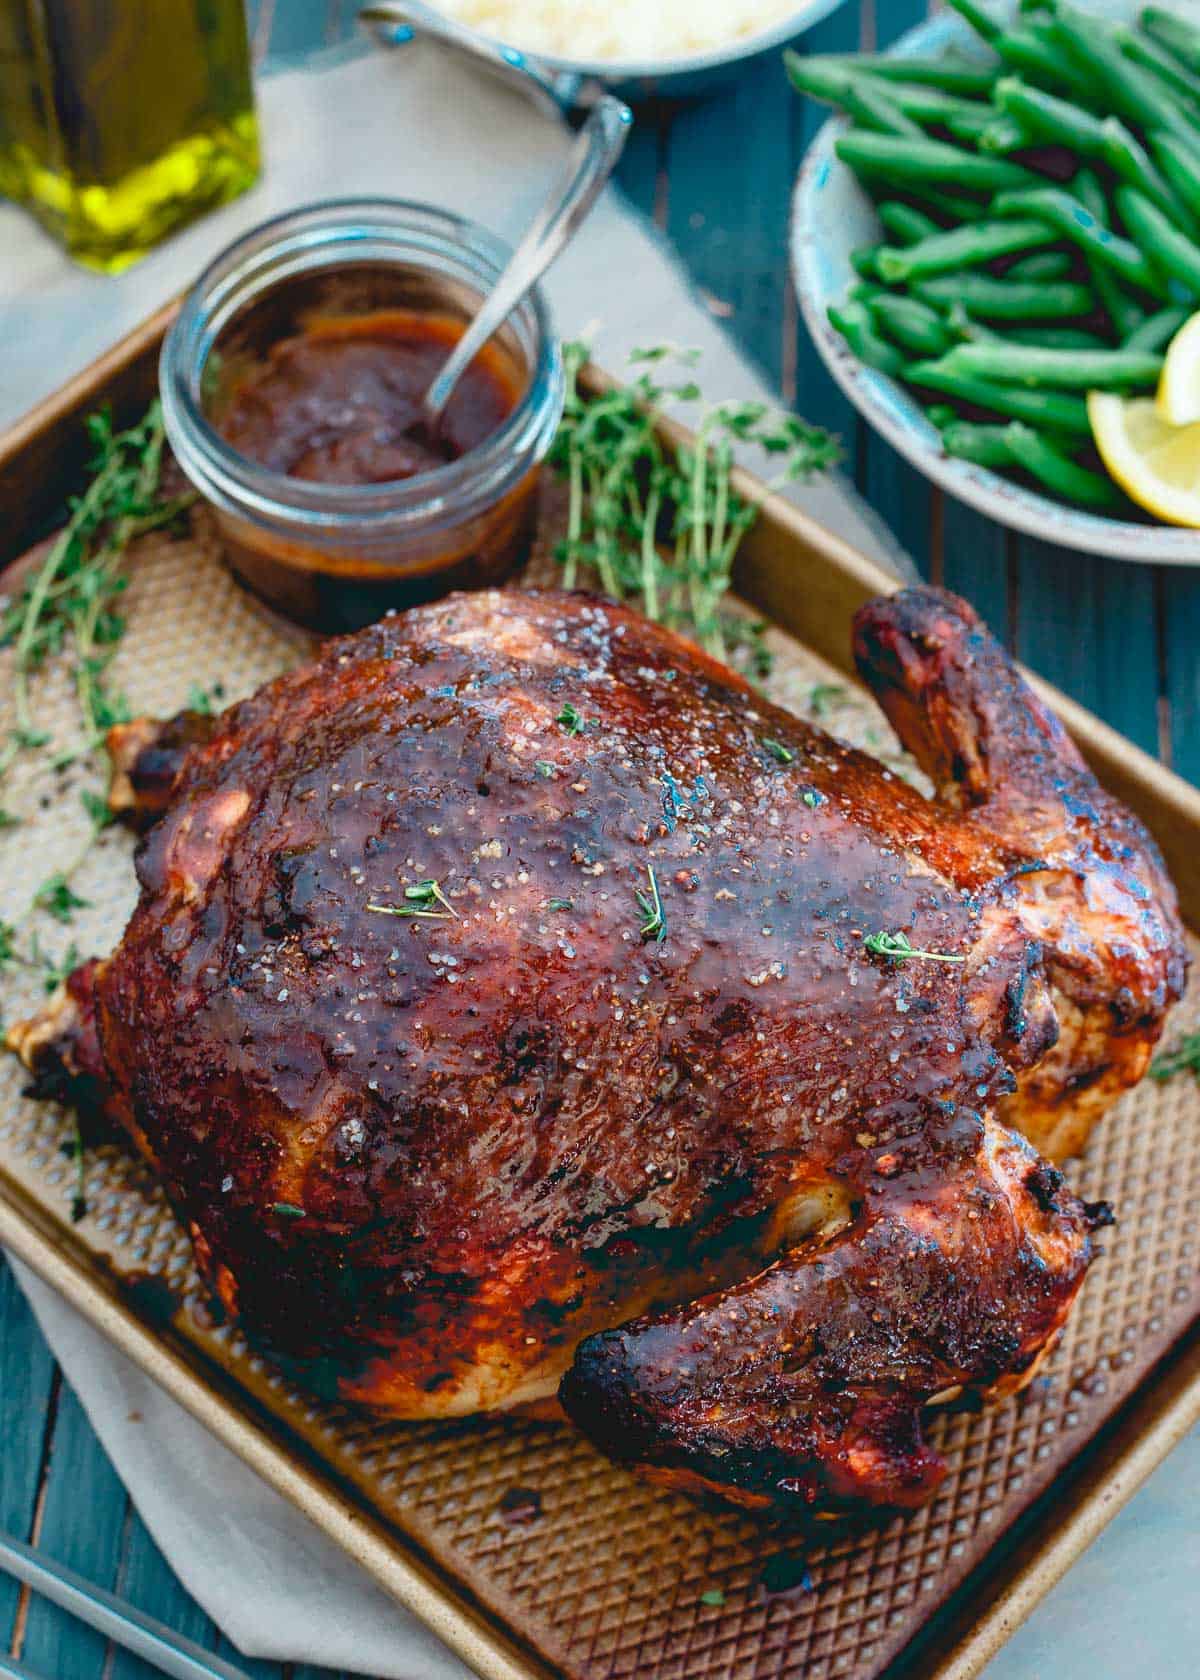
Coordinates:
[1155,463]
[1179,383]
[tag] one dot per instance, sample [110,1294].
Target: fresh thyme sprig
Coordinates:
[662,523]
[69,604]
[899,949]
[71,598]
[1185,1058]
[420,896]
[654,921]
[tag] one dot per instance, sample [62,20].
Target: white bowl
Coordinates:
[831,217]
[690,73]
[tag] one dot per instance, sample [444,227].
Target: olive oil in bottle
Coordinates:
[122,119]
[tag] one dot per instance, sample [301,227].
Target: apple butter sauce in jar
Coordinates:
[291,385]
[340,403]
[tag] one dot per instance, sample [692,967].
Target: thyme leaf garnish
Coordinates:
[288,1210]
[560,904]
[654,921]
[420,896]
[899,949]
[823,695]
[1185,1058]
[777,750]
[571,720]
[58,898]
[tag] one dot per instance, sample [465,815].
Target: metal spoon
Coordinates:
[593,157]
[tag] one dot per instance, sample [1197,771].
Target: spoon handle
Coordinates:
[594,154]
[394,22]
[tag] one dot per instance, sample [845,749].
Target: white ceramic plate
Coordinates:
[831,217]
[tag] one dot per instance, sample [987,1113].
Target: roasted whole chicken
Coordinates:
[518,1005]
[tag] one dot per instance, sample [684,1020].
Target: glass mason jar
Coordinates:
[337,556]
[122,119]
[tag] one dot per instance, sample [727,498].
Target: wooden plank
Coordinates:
[26,1387]
[806,383]
[897,490]
[147,1581]
[297,27]
[731,172]
[1179,597]
[643,158]
[972,558]
[1088,626]
[82,1526]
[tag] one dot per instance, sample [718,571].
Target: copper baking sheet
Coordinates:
[608,1578]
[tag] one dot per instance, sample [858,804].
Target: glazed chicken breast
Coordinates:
[517,1004]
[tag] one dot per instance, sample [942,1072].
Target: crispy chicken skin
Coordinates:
[627,1101]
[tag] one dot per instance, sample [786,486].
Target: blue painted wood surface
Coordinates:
[717,177]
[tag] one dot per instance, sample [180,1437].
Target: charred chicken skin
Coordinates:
[517,1003]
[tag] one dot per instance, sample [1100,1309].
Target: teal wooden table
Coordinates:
[1124,640]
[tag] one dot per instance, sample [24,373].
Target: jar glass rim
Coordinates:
[324,236]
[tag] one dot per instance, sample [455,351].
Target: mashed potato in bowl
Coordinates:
[621,30]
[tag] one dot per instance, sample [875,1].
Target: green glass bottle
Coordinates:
[122,119]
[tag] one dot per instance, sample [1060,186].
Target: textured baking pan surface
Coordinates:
[580,1569]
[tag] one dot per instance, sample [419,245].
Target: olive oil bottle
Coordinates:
[122,119]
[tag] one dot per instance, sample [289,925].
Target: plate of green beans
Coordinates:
[1003,217]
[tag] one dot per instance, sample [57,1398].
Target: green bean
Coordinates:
[1157,331]
[1059,370]
[1124,311]
[1041,265]
[1051,118]
[1169,249]
[825,79]
[1004,134]
[854,324]
[870,106]
[1060,338]
[1181,167]
[941,415]
[967,329]
[1182,40]
[900,159]
[964,78]
[962,247]
[1128,159]
[1056,409]
[1150,56]
[1008,299]
[971,122]
[1056,470]
[1067,216]
[863,261]
[910,323]
[1130,89]
[980,21]
[949,205]
[904,223]
[1065,124]
[835,82]
[986,446]
[1026,51]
